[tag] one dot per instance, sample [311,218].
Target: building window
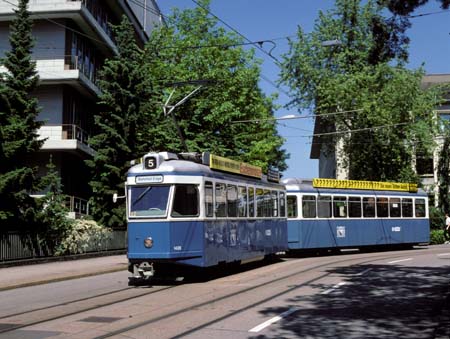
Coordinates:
[424,164]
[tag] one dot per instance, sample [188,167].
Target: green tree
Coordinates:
[18,126]
[53,214]
[119,124]
[444,171]
[193,47]
[389,117]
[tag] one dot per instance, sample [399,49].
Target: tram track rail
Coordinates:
[68,308]
[246,290]
[76,307]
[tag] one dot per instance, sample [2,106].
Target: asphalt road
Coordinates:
[396,294]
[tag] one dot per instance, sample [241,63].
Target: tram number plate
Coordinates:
[150,163]
[396,229]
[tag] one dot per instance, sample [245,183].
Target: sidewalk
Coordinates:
[28,275]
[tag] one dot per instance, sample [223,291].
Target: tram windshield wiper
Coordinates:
[148,189]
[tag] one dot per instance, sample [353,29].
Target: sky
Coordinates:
[276,20]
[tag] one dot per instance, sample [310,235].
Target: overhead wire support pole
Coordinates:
[168,110]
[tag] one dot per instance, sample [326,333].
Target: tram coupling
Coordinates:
[142,272]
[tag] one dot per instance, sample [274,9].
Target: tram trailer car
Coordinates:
[333,218]
[185,214]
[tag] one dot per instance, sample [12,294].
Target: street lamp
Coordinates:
[329,43]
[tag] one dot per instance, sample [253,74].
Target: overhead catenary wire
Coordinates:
[236,31]
[277,62]
[427,14]
[348,131]
[309,116]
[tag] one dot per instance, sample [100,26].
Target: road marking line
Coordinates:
[334,288]
[396,261]
[443,254]
[274,320]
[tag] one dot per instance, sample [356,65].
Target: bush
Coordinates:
[437,237]
[84,236]
[437,218]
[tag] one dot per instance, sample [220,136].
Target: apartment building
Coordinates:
[72,40]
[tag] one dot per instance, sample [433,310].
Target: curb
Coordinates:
[58,279]
[43,260]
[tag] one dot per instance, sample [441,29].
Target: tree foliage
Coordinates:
[193,47]
[121,136]
[383,116]
[136,83]
[443,171]
[52,212]
[390,32]
[18,126]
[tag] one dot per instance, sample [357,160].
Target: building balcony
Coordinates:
[78,207]
[65,137]
[91,17]
[67,69]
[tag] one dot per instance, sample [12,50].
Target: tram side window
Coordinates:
[309,206]
[185,201]
[221,200]
[354,207]
[259,202]
[282,204]
[394,208]
[209,210]
[232,201]
[420,208]
[274,203]
[407,208]
[292,206]
[340,207]
[382,208]
[268,206]
[369,207]
[242,198]
[251,202]
[324,207]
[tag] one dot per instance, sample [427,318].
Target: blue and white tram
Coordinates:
[332,214]
[194,213]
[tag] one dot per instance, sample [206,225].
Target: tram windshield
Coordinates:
[148,201]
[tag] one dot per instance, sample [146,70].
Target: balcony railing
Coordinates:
[83,64]
[77,205]
[72,132]
[64,132]
[100,14]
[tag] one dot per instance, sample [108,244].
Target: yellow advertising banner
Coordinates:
[233,166]
[364,185]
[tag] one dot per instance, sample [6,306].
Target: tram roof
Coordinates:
[306,185]
[189,168]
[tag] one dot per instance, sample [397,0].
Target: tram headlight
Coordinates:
[148,242]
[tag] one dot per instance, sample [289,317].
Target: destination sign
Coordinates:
[149,179]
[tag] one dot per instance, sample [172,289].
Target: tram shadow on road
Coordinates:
[372,301]
[200,275]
